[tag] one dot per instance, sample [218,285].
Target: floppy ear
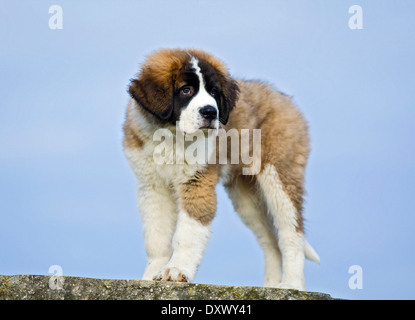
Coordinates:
[229,95]
[153,97]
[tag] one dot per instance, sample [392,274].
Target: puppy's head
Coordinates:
[188,86]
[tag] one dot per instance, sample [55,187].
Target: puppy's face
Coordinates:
[186,86]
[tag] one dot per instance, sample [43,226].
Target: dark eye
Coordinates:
[187,91]
[214,92]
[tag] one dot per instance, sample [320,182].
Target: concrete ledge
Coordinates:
[32,287]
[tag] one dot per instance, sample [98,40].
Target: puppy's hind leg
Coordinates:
[288,224]
[247,204]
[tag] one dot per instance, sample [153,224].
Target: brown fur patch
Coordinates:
[284,136]
[154,86]
[198,196]
[131,139]
[132,135]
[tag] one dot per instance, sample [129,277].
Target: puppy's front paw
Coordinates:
[171,274]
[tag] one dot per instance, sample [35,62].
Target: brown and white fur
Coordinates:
[177,202]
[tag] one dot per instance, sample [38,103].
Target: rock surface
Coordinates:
[33,287]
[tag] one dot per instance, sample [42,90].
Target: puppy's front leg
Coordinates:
[158,216]
[197,203]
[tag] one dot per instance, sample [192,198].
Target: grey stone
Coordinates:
[34,287]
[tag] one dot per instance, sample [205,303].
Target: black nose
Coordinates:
[209,112]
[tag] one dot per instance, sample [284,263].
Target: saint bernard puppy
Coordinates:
[187,91]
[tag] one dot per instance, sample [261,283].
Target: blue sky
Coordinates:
[67,195]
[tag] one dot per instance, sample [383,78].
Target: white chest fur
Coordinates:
[168,156]
[149,163]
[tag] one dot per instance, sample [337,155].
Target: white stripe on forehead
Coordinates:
[190,117]
[202,95]
[195,63]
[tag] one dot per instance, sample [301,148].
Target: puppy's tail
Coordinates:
[310,253]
